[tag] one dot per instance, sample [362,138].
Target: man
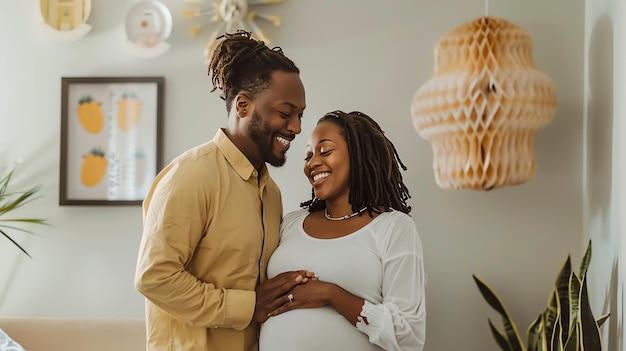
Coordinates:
[212,216]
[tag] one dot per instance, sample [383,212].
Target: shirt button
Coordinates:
[254,173]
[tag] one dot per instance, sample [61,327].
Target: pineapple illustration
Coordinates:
[90,114]
[93,168]
[128,111]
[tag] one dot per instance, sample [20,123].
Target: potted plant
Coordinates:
[566,324]
[11,200]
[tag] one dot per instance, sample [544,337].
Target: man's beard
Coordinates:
[261,133]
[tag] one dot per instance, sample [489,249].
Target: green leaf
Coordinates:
[20,201]
[551,314]
[494,301]
[584,263]
[23,230]
[14,242]
[85,99]
[574,343]
[562,286]
[589,327]
[568,305]
[602,319]
[533,333]
[4,183]
[542,341]
[574,297]
[557,337]
[25,220]
[500,338]
[11,200]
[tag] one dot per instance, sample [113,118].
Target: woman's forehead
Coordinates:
[325,132]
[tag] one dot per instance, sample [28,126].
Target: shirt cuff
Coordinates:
[239,308]
[379,327]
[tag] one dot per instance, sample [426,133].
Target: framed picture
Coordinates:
[110,139]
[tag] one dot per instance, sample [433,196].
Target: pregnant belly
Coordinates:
[312,329]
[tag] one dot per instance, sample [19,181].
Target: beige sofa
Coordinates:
[80,334]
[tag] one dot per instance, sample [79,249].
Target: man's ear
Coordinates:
[243,105]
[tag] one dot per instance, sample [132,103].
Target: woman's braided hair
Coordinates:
[241,63]
[375,179]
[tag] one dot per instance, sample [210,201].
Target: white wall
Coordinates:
[604,166]
[354,55]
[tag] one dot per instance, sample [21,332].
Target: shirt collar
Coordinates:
[236,158]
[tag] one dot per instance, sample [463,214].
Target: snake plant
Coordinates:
[11,200]
[567,322]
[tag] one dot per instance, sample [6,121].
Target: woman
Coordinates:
[356,236]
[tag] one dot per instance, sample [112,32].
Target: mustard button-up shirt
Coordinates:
[211,222]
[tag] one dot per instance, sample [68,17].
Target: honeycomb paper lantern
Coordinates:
[483,105]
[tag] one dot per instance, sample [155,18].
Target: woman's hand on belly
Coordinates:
[315,294]
[274,292]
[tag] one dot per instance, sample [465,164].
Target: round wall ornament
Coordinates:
[229,16]
[65,20]
[148,25]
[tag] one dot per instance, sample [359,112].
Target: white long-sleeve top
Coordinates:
[381,263]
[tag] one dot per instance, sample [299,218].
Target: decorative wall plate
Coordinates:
[231,15]
[65,20]
[148,25]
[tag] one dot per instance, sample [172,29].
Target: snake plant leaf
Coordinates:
[551,314]
[602,319]
[542,341]
[584,263]
[573,343]
[494,301]
[557,337]
[574,297]
[533,333]
[500,338]
[490,295]
[562,286]
[567,322]
[589,327]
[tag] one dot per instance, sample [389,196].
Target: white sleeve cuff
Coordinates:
[380,329]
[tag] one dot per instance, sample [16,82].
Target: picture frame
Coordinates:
[111,137]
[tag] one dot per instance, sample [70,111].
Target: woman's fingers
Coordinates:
[275,295]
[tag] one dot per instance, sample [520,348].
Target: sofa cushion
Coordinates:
[8,344]
[69,334]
